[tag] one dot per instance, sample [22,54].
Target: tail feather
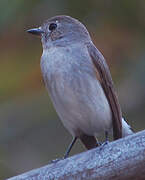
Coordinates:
[89,141]
[126,129]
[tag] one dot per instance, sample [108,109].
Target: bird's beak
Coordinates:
[36,31]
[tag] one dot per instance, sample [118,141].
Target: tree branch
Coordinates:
[120,160]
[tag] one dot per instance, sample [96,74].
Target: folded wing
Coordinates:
[104,76]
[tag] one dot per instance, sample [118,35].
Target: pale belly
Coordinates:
[81,104]
[76,94]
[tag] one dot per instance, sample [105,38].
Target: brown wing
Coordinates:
[108,87]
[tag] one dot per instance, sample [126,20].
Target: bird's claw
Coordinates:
[55,160]
[104,144]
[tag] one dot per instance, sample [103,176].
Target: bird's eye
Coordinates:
[52,26]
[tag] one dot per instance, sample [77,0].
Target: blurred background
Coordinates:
[31,133]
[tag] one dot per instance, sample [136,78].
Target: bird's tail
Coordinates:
[126,129]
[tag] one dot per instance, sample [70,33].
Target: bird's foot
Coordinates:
[59,159]
[56,160]
[98,144]
[104,144]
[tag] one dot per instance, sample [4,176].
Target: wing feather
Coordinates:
[108,87]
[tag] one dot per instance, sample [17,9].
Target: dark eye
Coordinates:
[52,26]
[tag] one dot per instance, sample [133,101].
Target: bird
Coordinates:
[79,82]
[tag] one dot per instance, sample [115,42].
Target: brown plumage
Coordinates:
[89,141]
[79,82]
[108,87]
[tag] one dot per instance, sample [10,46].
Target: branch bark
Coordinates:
[120,160]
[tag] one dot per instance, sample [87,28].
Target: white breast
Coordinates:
[75,92]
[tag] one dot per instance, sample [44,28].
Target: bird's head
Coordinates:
[61,30]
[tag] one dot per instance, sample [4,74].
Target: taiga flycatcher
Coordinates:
[79,82]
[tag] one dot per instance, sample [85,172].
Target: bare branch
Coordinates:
[120,160]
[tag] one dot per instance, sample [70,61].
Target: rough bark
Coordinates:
[120,160]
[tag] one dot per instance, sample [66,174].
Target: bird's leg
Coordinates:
[98,143]
[106,139]
[67,151]
[70,147]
